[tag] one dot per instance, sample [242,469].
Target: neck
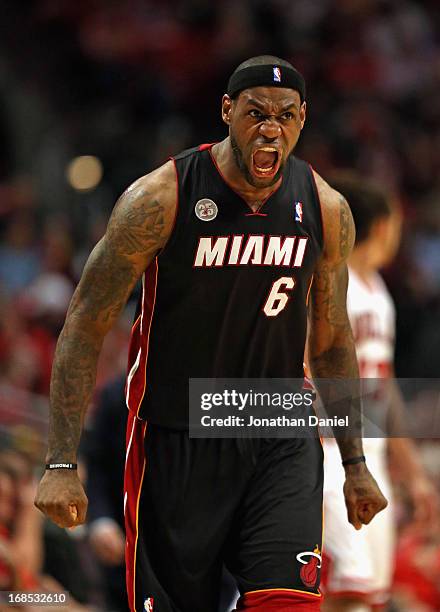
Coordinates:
[225,160]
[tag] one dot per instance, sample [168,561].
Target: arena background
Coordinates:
[95,93]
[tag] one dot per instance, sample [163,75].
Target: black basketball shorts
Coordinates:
[192,505]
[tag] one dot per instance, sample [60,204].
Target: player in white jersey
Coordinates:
[358,565]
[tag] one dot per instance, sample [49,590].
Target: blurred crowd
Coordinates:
[134,82]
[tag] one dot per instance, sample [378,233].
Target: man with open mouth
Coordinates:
[236,243]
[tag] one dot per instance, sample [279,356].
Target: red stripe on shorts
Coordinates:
[280,600]
[140,341]
[135,463]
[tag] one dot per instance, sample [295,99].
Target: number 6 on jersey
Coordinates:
[277,299]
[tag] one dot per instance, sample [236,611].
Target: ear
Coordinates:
[226,109]
[302,113]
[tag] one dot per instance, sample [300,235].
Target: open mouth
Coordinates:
[265,161]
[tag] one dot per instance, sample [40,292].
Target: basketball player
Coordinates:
[358,566]
[227,238]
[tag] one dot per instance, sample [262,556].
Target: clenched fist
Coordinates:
[60,496]
[363,497]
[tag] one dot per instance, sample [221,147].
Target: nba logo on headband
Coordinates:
[276,74]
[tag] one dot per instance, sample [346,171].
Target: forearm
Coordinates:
[72,384]
[335,359]
[336,375]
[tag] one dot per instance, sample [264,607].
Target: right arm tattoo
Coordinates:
[332,352]
[135,233]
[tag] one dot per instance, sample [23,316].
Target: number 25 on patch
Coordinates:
[278,296]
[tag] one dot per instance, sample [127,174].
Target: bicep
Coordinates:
[137,230]
[328,303]
[106,283]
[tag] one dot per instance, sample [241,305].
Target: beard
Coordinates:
[241,164]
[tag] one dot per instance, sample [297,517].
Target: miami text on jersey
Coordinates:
[255,250]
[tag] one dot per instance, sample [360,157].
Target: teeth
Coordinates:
[264,169]
[268,150]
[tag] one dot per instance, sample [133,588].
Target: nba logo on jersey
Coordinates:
[276,74]
[148,604]
[298,211]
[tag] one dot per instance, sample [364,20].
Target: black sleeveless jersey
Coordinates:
[227,296]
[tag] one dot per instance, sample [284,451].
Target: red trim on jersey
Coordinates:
[315,186]
[133,350]
[135,463]
[203,147]
[224,179]
[176,211]
[139,343]
[308,290]
[280,600]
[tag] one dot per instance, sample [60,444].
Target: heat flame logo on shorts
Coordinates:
[309,570]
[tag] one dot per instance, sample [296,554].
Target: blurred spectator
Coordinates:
[19,262]
[20,525]
[28,559]
[416,581]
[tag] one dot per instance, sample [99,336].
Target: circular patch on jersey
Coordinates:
[206,210]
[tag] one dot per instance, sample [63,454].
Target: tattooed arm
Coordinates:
[138,228]
[332,352]
[331,347]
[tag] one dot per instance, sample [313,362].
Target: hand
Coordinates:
[363,497]
[60,496]
[108,541]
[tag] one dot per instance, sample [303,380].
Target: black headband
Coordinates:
[269,75]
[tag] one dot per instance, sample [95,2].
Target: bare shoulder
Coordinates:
[339,230]
[160,183]
[143,217]
[138,229]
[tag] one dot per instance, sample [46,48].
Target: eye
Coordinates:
[255,114]
[287,116]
